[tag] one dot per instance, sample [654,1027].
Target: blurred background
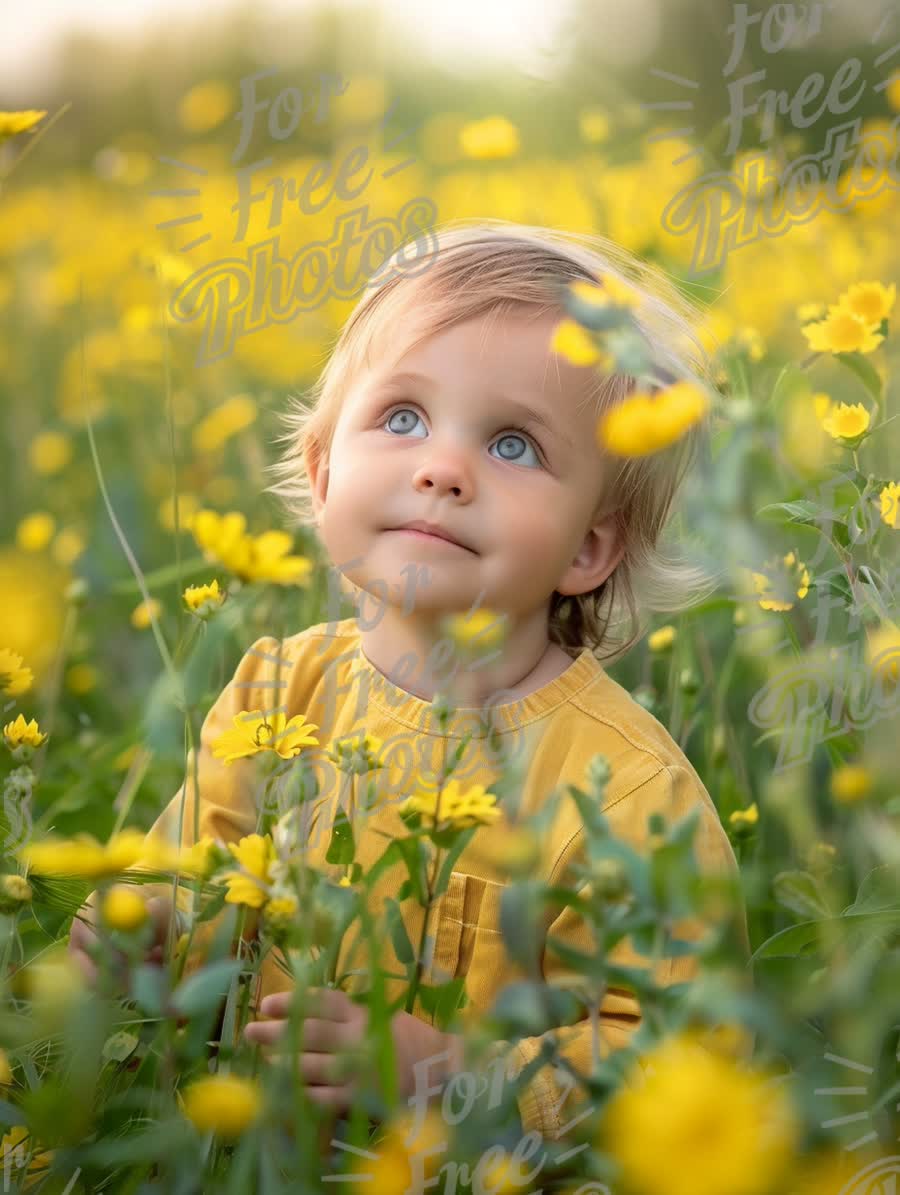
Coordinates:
[588,116]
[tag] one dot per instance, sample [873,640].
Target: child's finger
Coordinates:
[276,1005]
[85,966]
[264,1033]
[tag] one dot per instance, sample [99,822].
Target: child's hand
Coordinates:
[338,1024]
[83,936]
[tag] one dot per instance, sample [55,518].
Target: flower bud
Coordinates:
[123,909]
[609,880]
[519,852]
[688,682]
[14,892]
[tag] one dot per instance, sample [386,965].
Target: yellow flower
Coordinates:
[216,428]
[883,654]
[158,854]
[12,123]
[750,339]
[344,882]
[68,546]
[32,607]
[14,891]
[642,423]
[662,639]
[850,782]
[224,540]
[820,856]
[205,106]
[744,817]
[15,678]
[405,1156]
[23,734]
[142,615]
[476,632]
[574,343]
[280,912]
[841,332]
[15,1147]
[49,452]
[35,531]
[612,291]
[845,422]
[255,731]
[81,678]
[810,311]
[256,854]
[123,909]
[778,585]
[83,855]
[822,404]
[870,301]
[716,1125]
[594,124]
[892,92]
[203,600]
[453,806]
[890,509]
[357,753]
[493,137]
[6,1075]
[224,1104]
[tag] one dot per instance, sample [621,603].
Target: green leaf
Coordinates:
[864,370]
[450,858]
[532,1008]
[792,512]
[119,1046]
[797,938]
[414,853]
[403,948]
[149,988]
[802,893]
[340,849]
[593,317]
[443,1000]
[10,1114]
[519,925]
[879,890]
[205,989]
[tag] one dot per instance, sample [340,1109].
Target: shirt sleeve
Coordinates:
[552,1098]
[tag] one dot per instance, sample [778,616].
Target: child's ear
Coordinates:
[598,556]
[317,472]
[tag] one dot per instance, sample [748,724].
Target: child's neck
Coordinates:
[403,653]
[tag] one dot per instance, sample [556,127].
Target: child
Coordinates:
[413,421]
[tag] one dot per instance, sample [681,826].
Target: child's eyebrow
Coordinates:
[530,414]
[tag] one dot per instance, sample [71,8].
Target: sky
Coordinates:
[529,34]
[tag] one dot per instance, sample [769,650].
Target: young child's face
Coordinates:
[443,448]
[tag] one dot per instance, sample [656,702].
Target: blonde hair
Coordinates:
[498,267]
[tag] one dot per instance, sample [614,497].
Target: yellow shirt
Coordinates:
[545,741]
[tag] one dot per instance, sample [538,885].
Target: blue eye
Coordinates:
[400,411]
[505,439]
